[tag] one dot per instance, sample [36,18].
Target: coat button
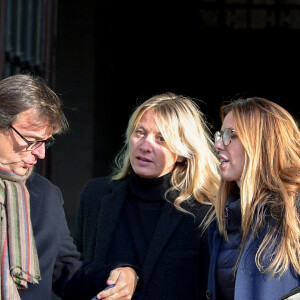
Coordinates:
[208,295]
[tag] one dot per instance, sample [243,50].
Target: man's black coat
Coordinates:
[58,258]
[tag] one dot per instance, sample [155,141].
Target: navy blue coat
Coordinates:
[176,267]
[250,283]
[58,258]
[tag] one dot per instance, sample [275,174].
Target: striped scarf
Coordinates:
[19,259]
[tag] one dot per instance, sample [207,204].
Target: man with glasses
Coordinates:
[33,145]
[37,252]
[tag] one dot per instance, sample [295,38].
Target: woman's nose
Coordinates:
[146,144]
[219,145]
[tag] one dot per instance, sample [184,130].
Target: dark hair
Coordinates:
[20,92]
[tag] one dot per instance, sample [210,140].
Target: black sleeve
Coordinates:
[88,281]
[91,279]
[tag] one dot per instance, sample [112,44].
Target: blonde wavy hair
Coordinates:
[270,182]
[187,134]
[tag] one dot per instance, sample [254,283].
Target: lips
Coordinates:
[144,159]
[222,159]
[29,165]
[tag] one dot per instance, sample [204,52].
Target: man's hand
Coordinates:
[125,280]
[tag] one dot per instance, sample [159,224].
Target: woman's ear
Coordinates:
[180,159]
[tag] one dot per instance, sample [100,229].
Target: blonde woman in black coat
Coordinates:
[131,218]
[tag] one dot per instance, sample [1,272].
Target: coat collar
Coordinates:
[111,206]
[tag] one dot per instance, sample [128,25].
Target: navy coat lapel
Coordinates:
[168,222]
[107,222]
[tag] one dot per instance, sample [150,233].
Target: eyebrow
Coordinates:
[35,136]
[146,130]
[138,126]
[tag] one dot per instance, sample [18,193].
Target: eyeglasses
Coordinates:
[226,135]
[34,145]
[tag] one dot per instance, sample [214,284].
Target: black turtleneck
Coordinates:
[139,216]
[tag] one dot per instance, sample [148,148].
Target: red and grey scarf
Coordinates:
[19,259]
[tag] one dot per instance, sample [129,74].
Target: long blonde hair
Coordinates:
[269,184]
[187,134]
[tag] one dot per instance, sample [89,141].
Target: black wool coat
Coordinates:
[177,262]
[62,269]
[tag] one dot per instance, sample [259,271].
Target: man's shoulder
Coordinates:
[42,190]
[38,181]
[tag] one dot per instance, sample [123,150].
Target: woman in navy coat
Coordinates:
[254,238]
[132,217]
